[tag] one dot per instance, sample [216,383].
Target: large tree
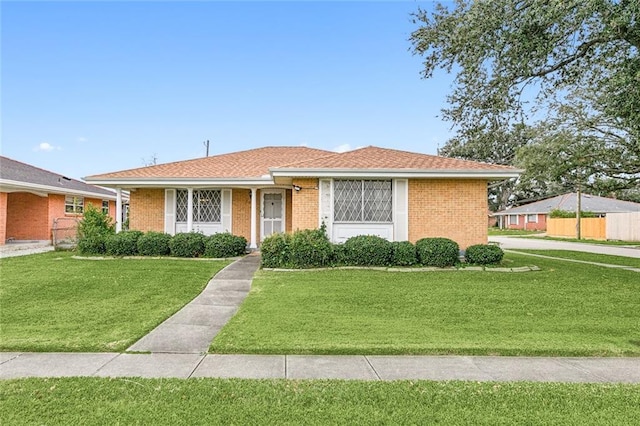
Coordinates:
[570,68]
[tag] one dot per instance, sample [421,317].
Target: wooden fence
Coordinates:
[593,228]
[623,226]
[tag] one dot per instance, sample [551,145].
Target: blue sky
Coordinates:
[92,87]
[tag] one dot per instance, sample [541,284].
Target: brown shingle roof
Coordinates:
[252,163]
[372,157]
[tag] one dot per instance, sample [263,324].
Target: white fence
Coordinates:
[623,226]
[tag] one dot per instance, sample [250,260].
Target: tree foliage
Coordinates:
[569,69]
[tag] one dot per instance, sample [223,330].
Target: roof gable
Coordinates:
[372,157]
[590,203]
[21,175]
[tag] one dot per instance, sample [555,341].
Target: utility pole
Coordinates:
[578,212]
[206,143]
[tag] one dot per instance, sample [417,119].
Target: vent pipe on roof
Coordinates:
[206,144]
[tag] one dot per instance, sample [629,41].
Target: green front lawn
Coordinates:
[565,309]
[246,402]
[506,232]
[51,302]
[588,241]
[586,257]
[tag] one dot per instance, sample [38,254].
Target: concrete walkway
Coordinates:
[358,367]
[539,244]
[191,329]
[24,248]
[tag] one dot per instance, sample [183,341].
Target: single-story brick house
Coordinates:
[33,202]
[533,216]
[395,194]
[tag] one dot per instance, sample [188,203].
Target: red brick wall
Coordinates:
[450,208]
[3,217]
[27,217]
[146,210]
[241,213]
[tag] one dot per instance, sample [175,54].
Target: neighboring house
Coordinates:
[395,194]
[33,202]
[533,216]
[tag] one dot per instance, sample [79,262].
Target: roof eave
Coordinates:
[7,185]
[173,182]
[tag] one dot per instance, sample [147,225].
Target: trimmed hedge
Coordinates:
[276,251]
[154,244]
[404,254]
[224,244]
[367,250]
[187,244]
[123,243]
[440,252]
[484,254]
[310,248]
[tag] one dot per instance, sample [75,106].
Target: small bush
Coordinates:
[566,214]
[224,244]
[123,243]
[275,251]
[187,244]
[154,244]
[93,230]
[403,254]
[440,252]
[310,248]
[367,250]
[484,254]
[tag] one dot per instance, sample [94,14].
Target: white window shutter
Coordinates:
[170,211]
[226,210]
[401,210]
[326,208]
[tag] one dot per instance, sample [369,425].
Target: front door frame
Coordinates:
[283,193]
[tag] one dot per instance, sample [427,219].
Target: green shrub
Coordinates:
[275,251]
[224,244]
[367,250]
[566,214]
[123,244]
[154,244]
[187,244]
[93,230]
[440,252]
[403,254]
[310,248]
[484,254]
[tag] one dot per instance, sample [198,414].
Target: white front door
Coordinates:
[272,213]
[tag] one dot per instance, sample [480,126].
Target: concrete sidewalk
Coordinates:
[355,367]
[191,330]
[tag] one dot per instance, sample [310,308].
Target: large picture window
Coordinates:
[207,206]
[362,201]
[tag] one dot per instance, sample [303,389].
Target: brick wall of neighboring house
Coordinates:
[27,217]
[3,217]
[304,205]
[146,209]
[450,208]
[523,223]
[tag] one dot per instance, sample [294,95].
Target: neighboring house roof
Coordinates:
[589,203]
[21,177]
[263,165]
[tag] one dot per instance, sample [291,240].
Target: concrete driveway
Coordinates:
[539,244]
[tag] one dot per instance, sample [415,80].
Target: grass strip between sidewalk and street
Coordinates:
[217,401]
[608,259]
[565,309]
[54,303]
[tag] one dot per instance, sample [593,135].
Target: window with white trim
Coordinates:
[105,206]
[73,204]
[532,218]
[207,205]
[513,219]
[362,201]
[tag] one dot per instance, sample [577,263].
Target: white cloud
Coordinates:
[342,148]
[46,147]
[82,139]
